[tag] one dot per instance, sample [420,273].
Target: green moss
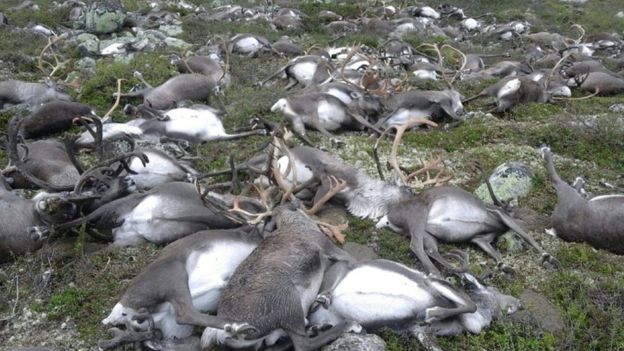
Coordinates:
[98,90]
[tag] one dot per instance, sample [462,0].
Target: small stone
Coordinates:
[509,181]
[510,242]
[63,326]
[357,342]
[546,314]
[620,14]
[618,108]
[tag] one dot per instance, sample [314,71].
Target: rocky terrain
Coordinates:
[57,296]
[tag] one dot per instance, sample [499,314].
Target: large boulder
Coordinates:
[510,181]
[104,17]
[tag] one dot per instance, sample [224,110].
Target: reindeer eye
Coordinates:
[123,314]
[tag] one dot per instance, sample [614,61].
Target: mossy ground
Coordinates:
[587,139]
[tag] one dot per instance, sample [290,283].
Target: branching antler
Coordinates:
[57,63]
[337,185]
[431,165]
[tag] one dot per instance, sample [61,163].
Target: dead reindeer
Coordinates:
[601,83]
[53,117]
[287,47]
[160,169]
[511,91]
[500,69]
[15,93]
[196,269]
[597,221]
[321,111]
[195,124]
[364,102]
[205,65]
[306,70]
[161,215]
[407,301]
[248,44]
[187,86]
[537,87]
[282,275]
[46,164]
[22,217]
[450,215]
[424,104]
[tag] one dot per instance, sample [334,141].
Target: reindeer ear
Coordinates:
[355,95]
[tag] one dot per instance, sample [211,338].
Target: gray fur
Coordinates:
[433,104]
[283,275]
[598,221]
[53,117]
[175,307]
[17,92]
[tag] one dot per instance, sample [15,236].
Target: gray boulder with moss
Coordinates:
[104,17]
[510,181]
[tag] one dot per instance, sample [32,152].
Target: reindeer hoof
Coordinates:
[323,299]
[337,143]
[548,259]
[238,330]
[507,270]
[38,233]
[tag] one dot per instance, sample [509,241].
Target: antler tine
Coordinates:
[563,58]
[432,165]
[400,130]
[255,217]
[116,104]
[277,175]
[340,184]
[464,60]
[582,31]
[354,50]
[334,232]
[440,62]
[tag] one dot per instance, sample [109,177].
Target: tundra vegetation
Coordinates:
[57,296]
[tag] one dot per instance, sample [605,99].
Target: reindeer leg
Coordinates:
[443,288]
[431,247]
[511,223]
[484,242]
[418,232]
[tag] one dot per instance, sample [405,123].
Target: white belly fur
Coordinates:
[369,294]
[330,116]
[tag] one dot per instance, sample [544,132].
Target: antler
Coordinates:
[255,218]
[337,186]
[464,60]
[58,64]
[432,165]
[116,104]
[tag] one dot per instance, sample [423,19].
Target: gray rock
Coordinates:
[544,312]
[357,342]
[104,17]
[88,43]
[509,181]
[510,242]
[618,108]
[177,43]
[360,252]
[171,30]
[86,65]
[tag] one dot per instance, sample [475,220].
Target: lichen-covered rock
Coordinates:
[171,30]
[357,342]
[509,181]
[616,108]
[104,17]
[87,43]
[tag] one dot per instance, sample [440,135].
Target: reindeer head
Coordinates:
[55,208]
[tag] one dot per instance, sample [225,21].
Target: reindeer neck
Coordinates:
[372,198]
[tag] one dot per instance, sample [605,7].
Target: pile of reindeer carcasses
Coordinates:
[260,269]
